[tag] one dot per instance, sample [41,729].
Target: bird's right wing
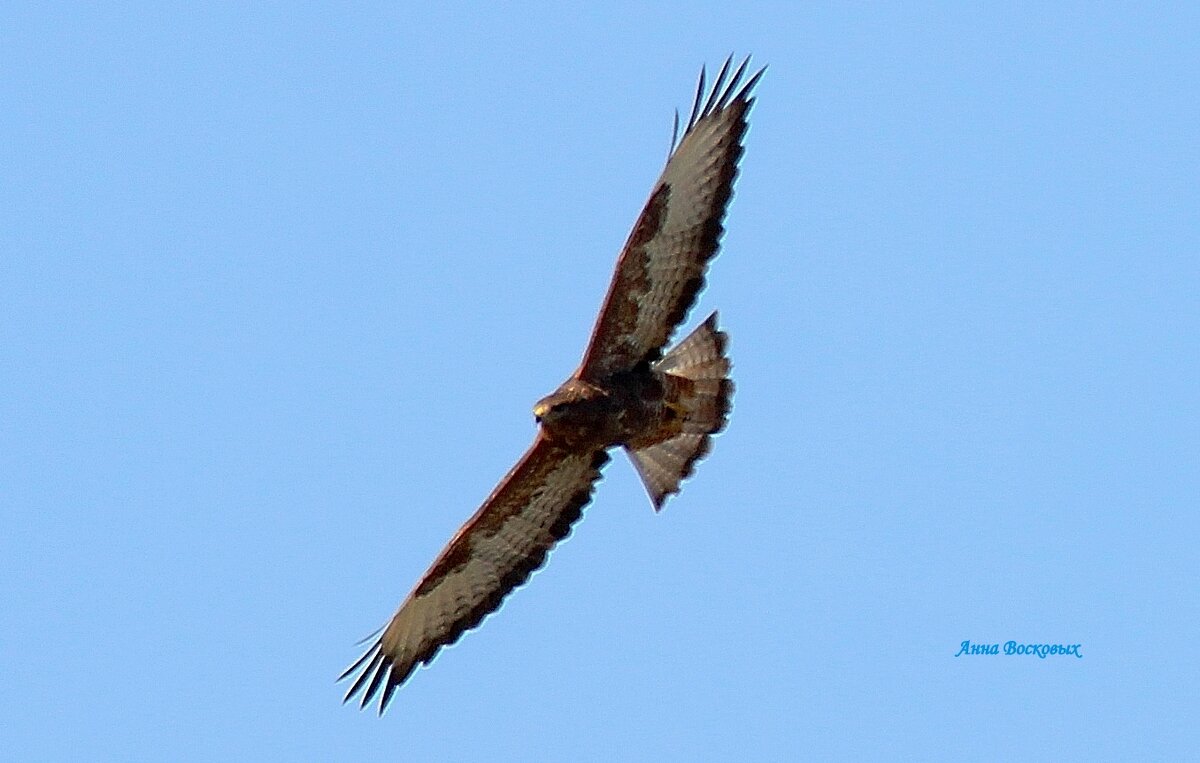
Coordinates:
[533,508]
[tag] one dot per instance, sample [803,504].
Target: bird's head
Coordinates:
[574,404]
[550,409]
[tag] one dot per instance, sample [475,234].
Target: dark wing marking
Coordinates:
[532,508]
[661,269]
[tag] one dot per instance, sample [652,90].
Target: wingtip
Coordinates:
[727,88]
[696,103]
[744,93]
[674,134]
[717,93]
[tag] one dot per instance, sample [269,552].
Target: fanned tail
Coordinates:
[697,372]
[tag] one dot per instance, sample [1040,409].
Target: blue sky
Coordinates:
[279,285]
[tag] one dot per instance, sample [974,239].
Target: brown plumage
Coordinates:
[662,409]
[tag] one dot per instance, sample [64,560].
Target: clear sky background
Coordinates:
[280,283]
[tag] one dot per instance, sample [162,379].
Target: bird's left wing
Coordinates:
[661,269]
[531,509]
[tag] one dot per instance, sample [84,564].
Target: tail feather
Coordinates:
[701,355]
[697,372]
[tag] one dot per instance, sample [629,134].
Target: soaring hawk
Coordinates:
[660,408]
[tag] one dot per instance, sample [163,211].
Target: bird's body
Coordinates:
[627,407]
[645,406]
[660,408]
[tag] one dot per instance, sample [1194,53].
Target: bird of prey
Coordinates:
[661,408]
